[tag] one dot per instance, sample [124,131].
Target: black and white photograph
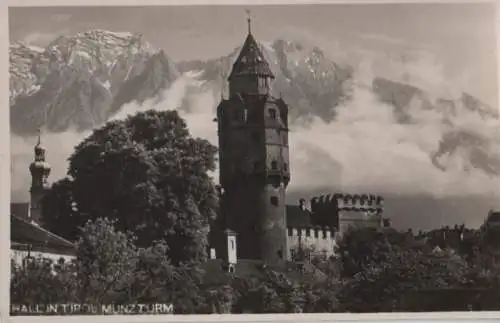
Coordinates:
[250,159]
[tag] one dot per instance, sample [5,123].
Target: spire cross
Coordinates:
[249,21]
[39,136]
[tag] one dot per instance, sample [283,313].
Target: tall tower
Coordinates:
[254,158]
[40,171]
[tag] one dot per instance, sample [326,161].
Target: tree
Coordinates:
[59,215]
[359,247]
[149,174]
[158,281]
[40,281]
[105,264]
[382,286]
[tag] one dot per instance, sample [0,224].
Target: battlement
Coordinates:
[312,232]
[320,240]
[347,202]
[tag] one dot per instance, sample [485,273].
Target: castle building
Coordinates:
[255,172]
[28,238]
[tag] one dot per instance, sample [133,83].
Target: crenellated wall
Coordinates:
[321,240]
[342,211]
[347,202]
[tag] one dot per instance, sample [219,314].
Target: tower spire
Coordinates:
[39,137]
[249,21]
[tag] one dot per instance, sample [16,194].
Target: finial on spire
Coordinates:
[249,21]
[39,137]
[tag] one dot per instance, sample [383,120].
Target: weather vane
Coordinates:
[249,20]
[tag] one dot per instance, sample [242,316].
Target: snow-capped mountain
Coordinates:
[79,82]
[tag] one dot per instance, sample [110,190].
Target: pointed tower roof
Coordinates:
[251,60]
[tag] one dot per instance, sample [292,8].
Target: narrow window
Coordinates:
[272,114]
[274,200]
[285,167]
[232,244]
[274,165]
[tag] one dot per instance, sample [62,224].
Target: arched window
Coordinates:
[274,200]
[274,165]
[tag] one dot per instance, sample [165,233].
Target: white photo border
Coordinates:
[5,186]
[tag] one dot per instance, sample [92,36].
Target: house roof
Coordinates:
[25,232]
[251,61]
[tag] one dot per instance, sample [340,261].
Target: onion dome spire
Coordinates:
[39,168]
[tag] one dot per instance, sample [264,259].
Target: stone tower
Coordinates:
[40,171]
[254,158]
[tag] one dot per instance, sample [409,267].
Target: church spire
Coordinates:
[40,171]
[39,136]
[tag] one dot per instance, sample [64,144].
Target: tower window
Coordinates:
[285,167]
[274,200]
[272,114]
[274,165]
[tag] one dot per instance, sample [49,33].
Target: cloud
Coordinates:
[385,39]
[39,38]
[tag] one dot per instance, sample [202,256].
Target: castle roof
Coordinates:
[251,61]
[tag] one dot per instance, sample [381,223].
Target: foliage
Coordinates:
[59,215]
[105,263]
[148,173]
[362,247]
[382,285]
[40,281]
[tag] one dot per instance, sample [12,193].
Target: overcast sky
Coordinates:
[461,37]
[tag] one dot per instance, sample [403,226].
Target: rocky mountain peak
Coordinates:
[78,81]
